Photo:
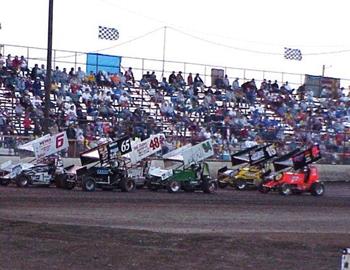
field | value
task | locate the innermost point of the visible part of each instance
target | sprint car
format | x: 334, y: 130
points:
x: 254, y: 165
x: 44, y: 169
x: 294, y: 174
x: 184, y: 169
x: 101, y: 167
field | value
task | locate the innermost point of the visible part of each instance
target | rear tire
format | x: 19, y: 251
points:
x: 241, y: 185
x: 285, y: 189
x: 127, y: 185
x: 174, y: 186
x: 317, y: 189
x: 88, y: 184
x: 22, y: 180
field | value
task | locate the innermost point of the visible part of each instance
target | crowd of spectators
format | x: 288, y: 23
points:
x: 95, y: 108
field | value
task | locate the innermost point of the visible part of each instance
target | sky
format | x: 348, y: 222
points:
x: 218, y: 33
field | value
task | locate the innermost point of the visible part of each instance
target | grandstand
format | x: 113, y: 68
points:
x: 94, y: 107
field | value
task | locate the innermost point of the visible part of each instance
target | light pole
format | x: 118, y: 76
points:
x: 48, y: 69
x: 164, y: 47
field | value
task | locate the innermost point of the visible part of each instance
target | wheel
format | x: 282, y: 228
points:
x: 222, y: 184
x: 4, y: 181
x: 285, y: 189
x: 241, y: 184
x: 22, y: 180
x: 174, y: 186
x: 317, y: 189
x: 88, y: 184
x: 209, y: 186
x: 263, y: 189
x: 127, y: 184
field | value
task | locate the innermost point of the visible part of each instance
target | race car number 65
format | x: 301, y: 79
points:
x: 59, y: 140
x: 125, y: 146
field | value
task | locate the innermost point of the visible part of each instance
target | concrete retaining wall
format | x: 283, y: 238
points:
x: 327, y: 172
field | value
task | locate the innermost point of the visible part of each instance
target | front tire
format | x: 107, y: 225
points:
x: 22, y: 180
x: 317, y: 189
x: 127, y: 185
x: 174, y: 186
x: 88, y: 184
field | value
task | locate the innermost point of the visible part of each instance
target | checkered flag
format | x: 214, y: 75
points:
x: 292, y: 54
x: 108, y: 33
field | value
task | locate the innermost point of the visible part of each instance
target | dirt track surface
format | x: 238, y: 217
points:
x: 50, y: 228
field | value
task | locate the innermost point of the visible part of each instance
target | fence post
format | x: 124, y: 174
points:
x: 75, y: 61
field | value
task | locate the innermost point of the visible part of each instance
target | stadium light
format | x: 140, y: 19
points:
x: 48, y: 68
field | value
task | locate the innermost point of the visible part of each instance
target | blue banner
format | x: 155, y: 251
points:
x: 96, y: 62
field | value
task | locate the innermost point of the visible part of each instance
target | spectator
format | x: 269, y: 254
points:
x: 189, y: 79
x: 180, y: 80
x: 129, y: 76
x: 24, y: 66
x: 9, y: 62
x: 235, y: 85
x: 2, y: 61
x: 16, y: 64
x: 172, y: 78
x: 226, y: 82
x: 198, y: 82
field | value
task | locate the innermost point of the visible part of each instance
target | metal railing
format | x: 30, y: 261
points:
x: 69, y: 59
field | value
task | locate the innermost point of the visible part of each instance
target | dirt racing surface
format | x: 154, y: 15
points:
x: 49, y: 228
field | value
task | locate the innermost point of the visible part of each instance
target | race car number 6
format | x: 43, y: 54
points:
x: 59, y: 140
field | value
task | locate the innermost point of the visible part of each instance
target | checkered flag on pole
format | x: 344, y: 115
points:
x: 108, y: 33
x: 292, y: 54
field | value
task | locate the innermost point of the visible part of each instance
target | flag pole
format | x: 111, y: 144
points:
x: 164, y: 46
